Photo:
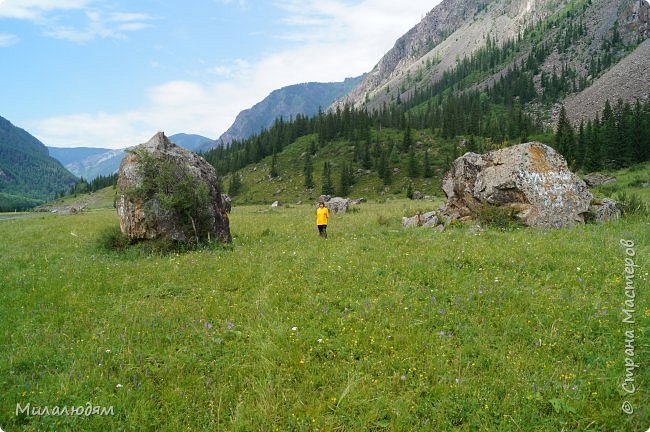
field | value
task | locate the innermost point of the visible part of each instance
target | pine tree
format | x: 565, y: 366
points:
x: 274, y: 165
x: 366, y: 161
x: 565, y: 138
x: 428, y: 172
x: 328, y: 186
x: 409, y: 190
x: 383, y: 169
x: 345, y: 180
x: 581, y: 147
x: 235, y: 185
x: 413, y: 169
x: 309, y: 172
x: 407, y: 140
x: 394, y: 155
x: 609, y: 137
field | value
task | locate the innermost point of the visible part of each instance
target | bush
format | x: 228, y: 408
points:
x: 497, y: 216
x: 383, y: 220
x: 631, y: 204
x: 112, y: 239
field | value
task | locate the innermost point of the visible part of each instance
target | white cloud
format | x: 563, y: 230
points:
x: 35, y: 9
x: 336, y: 40
x: 7, y: 39
x: 98, y: 24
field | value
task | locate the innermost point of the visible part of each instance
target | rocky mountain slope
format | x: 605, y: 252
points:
x: 585, y: 37
x: 305, y: 99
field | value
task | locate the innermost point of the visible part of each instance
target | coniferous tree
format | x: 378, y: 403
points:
x: 565, y: 138
x: 274, y: 166
x: 328, y: 185
x: 413, y: 169
x: 383, y: 169
x: 235, y: 185
x: 345, y: 180
x: 581, y: 146
x: 593, y: 155
x: 309, y: 172
x: 366, y: 162
x: 609, y: 137
x: 409, y: 189
x: 407, y: 140
x: 428, y: 172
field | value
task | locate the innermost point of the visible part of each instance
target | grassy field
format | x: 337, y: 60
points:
x: 375, y: 328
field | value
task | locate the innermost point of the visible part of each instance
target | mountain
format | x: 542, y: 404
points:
x: 27, y: 172
x: 581, y: 39
x: 74, y: 154
x: 195, y: 143
x: 305, y: 99
x: 90, y: 162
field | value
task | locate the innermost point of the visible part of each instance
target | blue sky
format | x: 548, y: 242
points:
x: 111, y: 73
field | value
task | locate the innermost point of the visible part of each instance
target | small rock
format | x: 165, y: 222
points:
x: 396, y: 170
x: 277, y: 204
x: 475, y: 229
x: 603, y: 210
x: 598, y: 179
x: 417, y: 195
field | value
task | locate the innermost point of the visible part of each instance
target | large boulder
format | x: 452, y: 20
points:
x: 190, y: 207
x: 338, y: 205
x: 532, y: 178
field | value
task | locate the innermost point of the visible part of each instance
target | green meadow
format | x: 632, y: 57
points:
x: 376, y: 328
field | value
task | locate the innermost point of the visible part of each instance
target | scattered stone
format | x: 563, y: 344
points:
x: 598, y: 179
x: 396, y: 170
x: 417, y: 195
x: 357, y: 201
x: 337, y: 204
x: 475, y: 229
x: 603, y: 210
x: 145, y: 217
x: 277, y: 204
x: 533, y: 178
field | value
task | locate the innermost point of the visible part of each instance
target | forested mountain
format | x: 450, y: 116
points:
x: 27, y: 172
x: 513, y: 64
x: 287, y: 102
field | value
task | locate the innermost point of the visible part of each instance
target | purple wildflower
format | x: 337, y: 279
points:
x: 230, y: 324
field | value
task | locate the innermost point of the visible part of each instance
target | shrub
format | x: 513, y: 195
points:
x: 112, y: 239
x: 631, y: 204
x: 497, y: 216
x: 383, y: 220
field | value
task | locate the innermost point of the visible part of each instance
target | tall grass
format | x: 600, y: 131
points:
x: 374, y: 328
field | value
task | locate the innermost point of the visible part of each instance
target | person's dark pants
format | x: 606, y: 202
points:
x: 322, y: 230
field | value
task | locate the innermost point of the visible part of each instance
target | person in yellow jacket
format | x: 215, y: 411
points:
x: 322, y: 217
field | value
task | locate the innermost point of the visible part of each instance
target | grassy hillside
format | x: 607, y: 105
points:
x: 289, y: 187
x: 376, y: 328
